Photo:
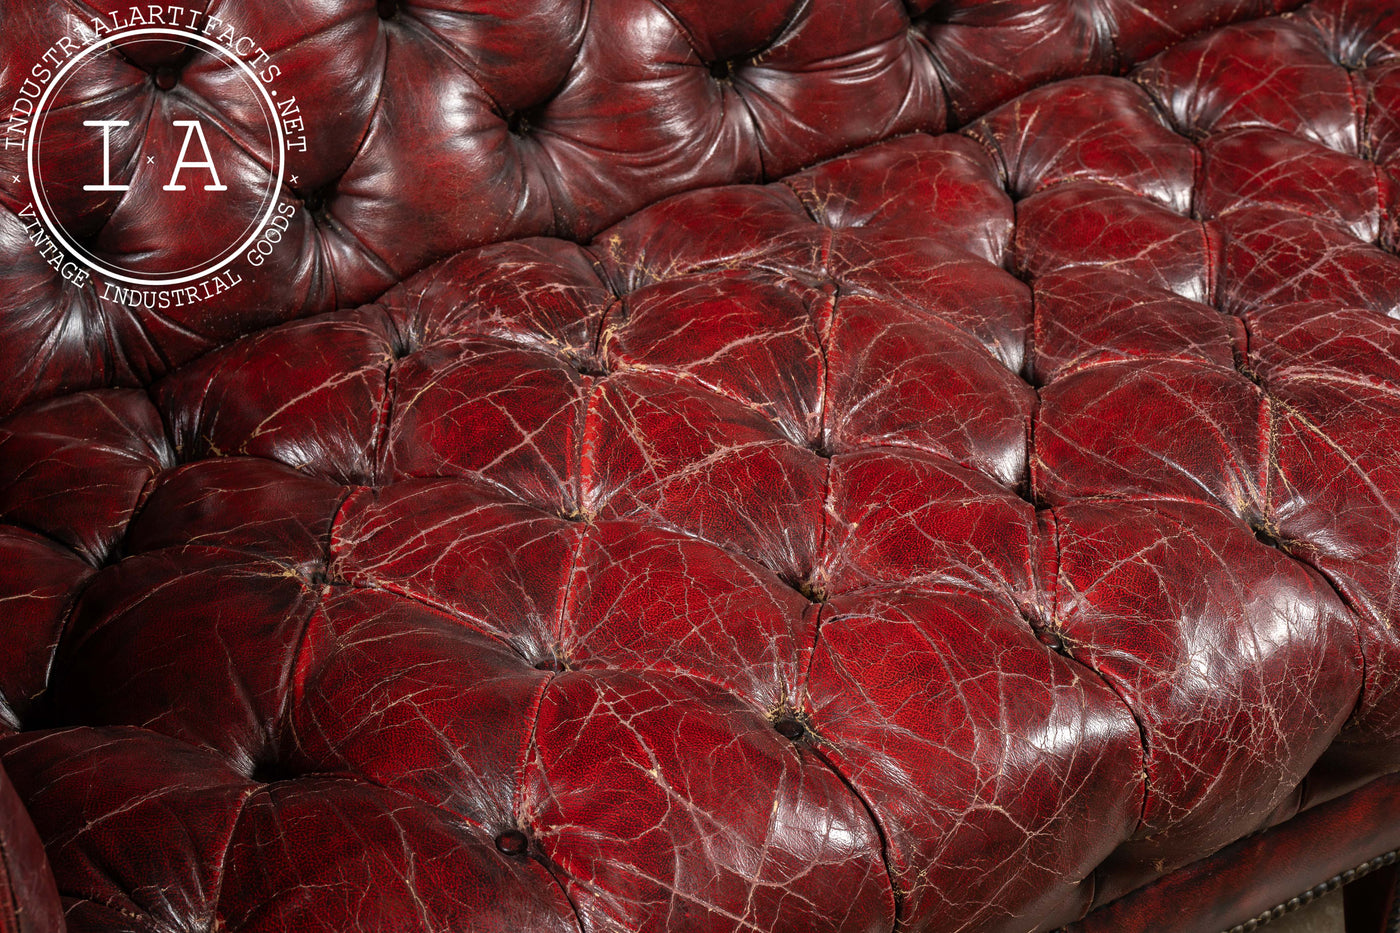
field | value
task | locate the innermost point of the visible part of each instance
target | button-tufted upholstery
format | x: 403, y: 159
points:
x: 828, y: 466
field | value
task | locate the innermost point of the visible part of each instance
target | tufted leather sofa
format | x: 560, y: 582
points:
x: 781, y: 465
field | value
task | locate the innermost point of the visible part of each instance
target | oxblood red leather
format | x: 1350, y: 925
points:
x: 28, y: 901
x: 1299, y: 860
x: 672, y: 530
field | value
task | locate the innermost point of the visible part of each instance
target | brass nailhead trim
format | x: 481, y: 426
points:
x: 1326, y: 887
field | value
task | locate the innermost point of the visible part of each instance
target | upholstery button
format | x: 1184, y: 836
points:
x: 1267, y: 536
x: 388, y: 8
x: 512, y: 842
x: 166, y: 78
x: 517, y: 123
x: 940, y: 13
x: 270, y: 772
x: 722, y: 70
x: 317, y: 204
x: 790, y: 727
x: 811, y: 589
x: 555, y: 663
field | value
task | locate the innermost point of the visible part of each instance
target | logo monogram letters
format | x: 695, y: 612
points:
x: 192, y: 129
x: 239, y: 230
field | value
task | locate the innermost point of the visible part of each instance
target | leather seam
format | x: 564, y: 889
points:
x: 380, y: 441
x: 217, y: 892
x: 287, y: 683
x: 459, y: 618
x: 1145, y: 747
x: 9, y: 895
x: 317, y: 607
x: 895, y: 893
x: 522, y: 764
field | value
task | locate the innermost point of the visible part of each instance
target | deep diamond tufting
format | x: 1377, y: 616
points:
x: 965, y: 532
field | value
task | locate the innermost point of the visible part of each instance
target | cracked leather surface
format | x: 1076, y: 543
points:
x: 955, y: 534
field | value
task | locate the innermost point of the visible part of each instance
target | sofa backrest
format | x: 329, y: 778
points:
x: 418, y: 129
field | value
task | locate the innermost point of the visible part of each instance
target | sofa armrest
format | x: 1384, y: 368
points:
x: 28, y: 898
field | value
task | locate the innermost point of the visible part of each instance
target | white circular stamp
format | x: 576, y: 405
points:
x: 232, y: 191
